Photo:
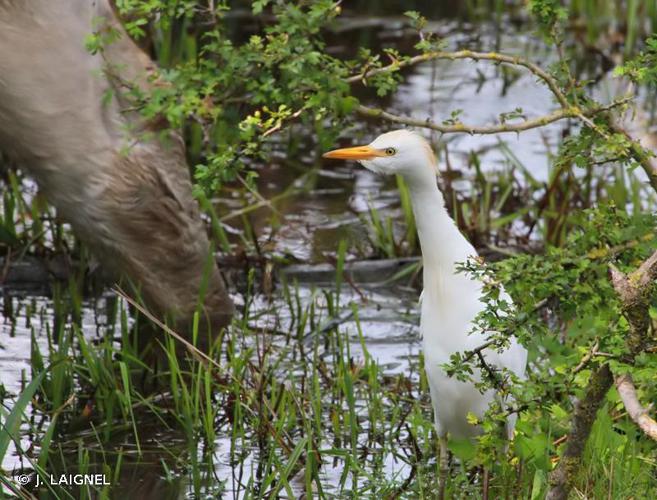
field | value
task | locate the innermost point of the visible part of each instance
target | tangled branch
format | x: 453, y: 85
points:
x: 565, y: 111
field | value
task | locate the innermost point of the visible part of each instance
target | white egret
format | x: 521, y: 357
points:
x: 451, y: 299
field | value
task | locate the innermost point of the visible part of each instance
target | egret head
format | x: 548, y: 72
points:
x: 397, y: 152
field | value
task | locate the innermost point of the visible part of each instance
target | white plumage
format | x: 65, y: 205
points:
x: 451, y: 300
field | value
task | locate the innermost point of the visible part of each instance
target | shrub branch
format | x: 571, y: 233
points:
x: 642, y: 157
x: 562, y: 478
x: 565, y: 111
x: 636, y: 411
x: 633, y: 291
x: 496, y: 128
x: 468, y: 54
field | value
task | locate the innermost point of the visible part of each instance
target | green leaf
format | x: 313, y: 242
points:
x: 463, y: 449
x: 11, y: 425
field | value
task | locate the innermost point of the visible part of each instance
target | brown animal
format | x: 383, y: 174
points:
x: 129, y: 198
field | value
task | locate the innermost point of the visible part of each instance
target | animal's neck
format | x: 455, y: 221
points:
x: 443, y: 245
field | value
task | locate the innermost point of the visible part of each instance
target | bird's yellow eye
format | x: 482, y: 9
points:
x: 390, y: 151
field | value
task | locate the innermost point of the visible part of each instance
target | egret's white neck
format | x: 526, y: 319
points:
x: 442, y: 244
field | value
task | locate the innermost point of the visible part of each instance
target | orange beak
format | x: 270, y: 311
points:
x: 357, y: 153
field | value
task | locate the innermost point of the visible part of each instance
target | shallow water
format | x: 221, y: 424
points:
x: 333, y: 200
x: 33, y: 315
x: 329, y: 206
x: 388, y: 320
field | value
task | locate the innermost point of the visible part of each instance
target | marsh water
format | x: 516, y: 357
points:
x: 326, y: 203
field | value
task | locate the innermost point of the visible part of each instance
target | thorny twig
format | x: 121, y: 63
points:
x: 497, y: 128
x: 468, y: 355
x: 587, y: 357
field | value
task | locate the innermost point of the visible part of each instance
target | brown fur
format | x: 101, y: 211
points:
x: 128, y: 197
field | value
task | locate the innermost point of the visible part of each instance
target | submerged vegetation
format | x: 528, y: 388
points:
x: 298, y: 397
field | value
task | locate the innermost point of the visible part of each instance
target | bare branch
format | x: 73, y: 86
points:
x: 648, y: 163
x: 636, y: 411
x: 468, y: 54
x: 198, y: 354
x: 498, y: 128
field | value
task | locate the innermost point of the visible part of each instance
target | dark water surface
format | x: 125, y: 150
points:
x: 329, y: 204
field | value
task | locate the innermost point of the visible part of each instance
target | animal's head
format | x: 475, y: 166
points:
x: 397, y: 152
